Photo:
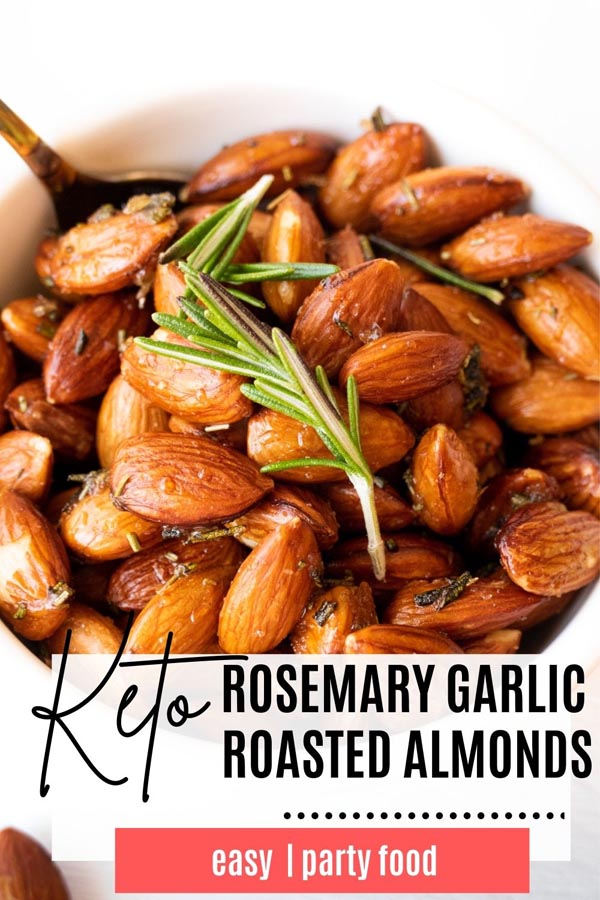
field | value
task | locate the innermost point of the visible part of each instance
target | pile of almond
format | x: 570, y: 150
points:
x: 480, y: 421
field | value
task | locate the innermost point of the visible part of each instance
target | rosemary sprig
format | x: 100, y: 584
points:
x: 443, y: 274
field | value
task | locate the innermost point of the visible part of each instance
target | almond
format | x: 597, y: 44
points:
x: 34, y: 570
x: 232, y: 435
x: 184, y: 479
x: 485, y: 604
x: 90, y: 581
x: 331, y: 617
x: 445, y: 404
x: 343, y: 249
x: 347, y: 310
x: 482, y: 437
x: 281, y: 505
x: 26, y: 870
x: 366, y: 165
x: 290, y: 156
x: 58, y: 502
x: 503, y: 640
x: 547, y: 549
x: 124, y: 413
x: 560, y: 312
x: 589, y: 435
x: 393, y: 512
x: 398, y: 639
x: 247, y: 252
x: 7, y: 377
x: 274, y: 437
x: 26, y: 461
x: 109, y: 252
x: 503, y: 349
x: 168, y: 286
x: 404, y: 365
x: 270, y: 590
x: 417, y: 313
x: 550, y: 400
x: 31, y: 324
x: 512, y: 246
x: 407, y: 556
x: 70, y: 428
x: 93, y: 528
x: 188, y: 605
x: 198, y: 393
x: 83, y: 356
x: 91, y: 632
x: 575, y: 467
x: 431, y: 204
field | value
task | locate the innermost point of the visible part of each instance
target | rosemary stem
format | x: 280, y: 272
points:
x: 365, y: 488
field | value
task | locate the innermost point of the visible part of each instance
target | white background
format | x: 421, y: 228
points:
x: 63, y: 63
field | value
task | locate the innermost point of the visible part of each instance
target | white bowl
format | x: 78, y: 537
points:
x: 189, y: 129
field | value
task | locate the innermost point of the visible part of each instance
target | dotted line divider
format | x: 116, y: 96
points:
x: 424, y: 815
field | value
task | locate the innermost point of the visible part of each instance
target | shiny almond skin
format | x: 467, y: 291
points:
x: 168, y: 286
x: 188, y: 606
x: 346, y: 310
x: 107, y: 254
x: 234, y: 435
x: 34, y: 570
x: 83, y: 356
x: 485, y: 605
x: 418, y: 313
x: 198, y: 393
x: 93, y: 528
x: 27, y: 871
x: 365, y: 166
x: 445, y: 404
x: 295, y: 235
x: 91, y: 632
x: 331, y: 617
x: 282, y: 504
x: 393, y: 512
x: 512, y: 246
x: 575, y: 467
x: 124, y: 412
x: 270, y: 590
x: 550, y: 400
x: 7, y: 377
x: 506, y: 492
x: 288, y: 155
x: 434, y: 203
x: 503, y: 640
x: 404, y: 365
x: 398, y: 639
x: 407, y: 556
x: 70, y: 428
x: 274, y: 437
x: 31, y: 323
x: 184, y: 479
x: 503, y: 349
x: 482, y: 437
x: 343, y: 249
x: 444, y: 481
x: 26, y: 462
x: 547, y: 549
x: 560, y: 313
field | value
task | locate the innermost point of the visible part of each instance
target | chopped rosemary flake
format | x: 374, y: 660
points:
x: 391, y: 545
x: 287, y: 173
x: 81, y: 342
x: 440, y: 597
x: 341, y: 324
x: 197, y: 535
x: 21, y: 611
x: 223, y: 427
x: 121, y: 486
x: 171, y: 557
x: 22, y: 403
x: 46, y: 330
x: 60, y: 592
x: 365, y: 246
x: 121, y: 339
x: 180, y: 571
x: 134, y: 541
x: 377, y: 120
x: 325, y: 610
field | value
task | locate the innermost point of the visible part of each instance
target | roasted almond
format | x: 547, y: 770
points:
x: 331, y: 617
x: 550, y: 400
x: 27, y: 871
x: 393, y: 512
x: 7, y: 377
x: 26, y: 461
x: 188, y: 605
x: 234, y: 435
x: 34, y: 570
x: 404, y: 365
x: 512, y: 246
x: 90, y: 581
x: 575, y: 467
x: 347, y: 310
x: 183, y: 479
x: 168, y: 286
x: 198, y: 393
x: 503, y: 349
x: 589, y: 435
x: 559, y: 311
x: 482, y: 437
x: 108, y: 252
x: 83, y: 356
x: 503, y: 640
x: 407, y: 556
x: 282, y: 504
x: 91, y: 632
x: 445, y: 404
x: 428, y: 205
x: 484, y: 605
x: 366, y: 165
x: 343, y: 249
x: 93, y: 528
x: 290, y: 156
x: 70, y: 428
x: 270, y: 590
x: 398, y: 639
x: 124, y: 412
x: 417, y: 313
x: 274, y: 437
x: 31, y: 324
x: 247, y: 252
x: 547, y: 549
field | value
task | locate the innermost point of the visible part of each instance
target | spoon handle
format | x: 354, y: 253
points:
x: 45, y: 163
